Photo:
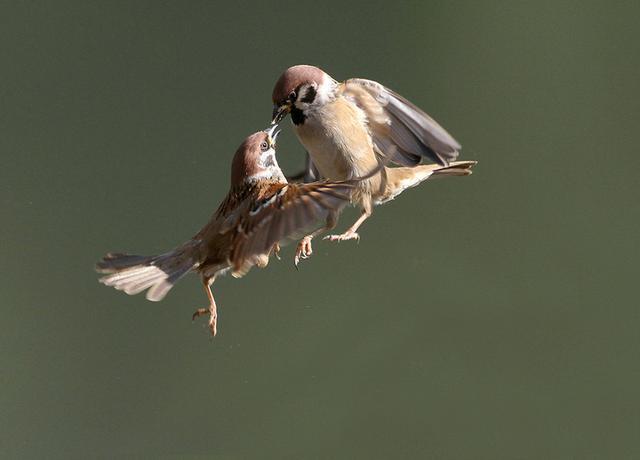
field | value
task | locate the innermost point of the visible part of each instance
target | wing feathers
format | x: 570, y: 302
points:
x: 284, y: 215
x: 408, y: 128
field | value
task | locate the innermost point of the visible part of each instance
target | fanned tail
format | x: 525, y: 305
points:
x: 134, y: 274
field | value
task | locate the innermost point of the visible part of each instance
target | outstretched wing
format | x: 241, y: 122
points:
x: 401, y: 131
x: 287, y: 211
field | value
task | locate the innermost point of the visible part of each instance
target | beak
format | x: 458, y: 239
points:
x: 279, y: 112
x: 272, y: 131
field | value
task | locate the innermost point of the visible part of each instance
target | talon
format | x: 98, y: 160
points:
x: 199, y: 312
x: 213, y: 318
x: 303, y: 250
x: 343, y: 237
x: 212, y: 310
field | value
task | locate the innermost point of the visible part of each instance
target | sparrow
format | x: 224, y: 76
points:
x: 260, y: 211
x: 349, y: 127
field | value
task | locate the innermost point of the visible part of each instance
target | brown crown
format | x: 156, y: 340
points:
x: 292, y: 78
x: 245, y: 160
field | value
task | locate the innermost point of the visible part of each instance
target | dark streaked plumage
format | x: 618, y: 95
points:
x: 259, y: 212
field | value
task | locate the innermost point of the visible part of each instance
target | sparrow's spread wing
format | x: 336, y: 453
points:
x: 287, y: 211
x: 400, y: 130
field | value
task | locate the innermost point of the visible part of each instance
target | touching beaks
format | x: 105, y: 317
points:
x: 279, y: 112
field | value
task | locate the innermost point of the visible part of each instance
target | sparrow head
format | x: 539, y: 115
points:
x: 299, y: 89
x: 255, y: 159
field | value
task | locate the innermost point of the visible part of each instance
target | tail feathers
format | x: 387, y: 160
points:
x: 457, y: 168
x: 134, y: 274
x: 401, y: 178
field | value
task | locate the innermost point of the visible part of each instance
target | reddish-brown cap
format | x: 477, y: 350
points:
x: 292, y: 78
x: 245, y: 161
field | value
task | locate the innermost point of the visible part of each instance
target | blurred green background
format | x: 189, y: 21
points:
x: 494, y: 316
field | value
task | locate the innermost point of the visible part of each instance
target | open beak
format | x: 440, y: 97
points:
x: 275, y: 136
x: 272, y: 131
x: 279, y: 112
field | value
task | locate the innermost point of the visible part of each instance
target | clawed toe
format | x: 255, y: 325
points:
x: 343, y: 237
x: 303, y: 251
x: 213, y: 318
x: 199, y: 312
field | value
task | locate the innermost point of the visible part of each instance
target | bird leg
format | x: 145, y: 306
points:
x: 351, y: 233
x: 212, y: 310
x: 304, y: 250
x: 276, y: 250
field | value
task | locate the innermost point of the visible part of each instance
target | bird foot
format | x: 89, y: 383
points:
x: 213, y: 318
x: 348, y: 235
x: 303, y: 251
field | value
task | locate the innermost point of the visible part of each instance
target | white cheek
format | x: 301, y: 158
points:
x: 326, y: 90
x: 268, y: 159
x: 270, y: 170
x: 301, y: 105
x: 325, y: 93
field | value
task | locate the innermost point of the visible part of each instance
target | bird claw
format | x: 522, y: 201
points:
x: 343, y: 237
x: 213, y: 318
x: 199, y: 312
x: 303, y: 251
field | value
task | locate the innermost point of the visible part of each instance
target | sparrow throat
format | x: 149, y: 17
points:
x: 297, y: 116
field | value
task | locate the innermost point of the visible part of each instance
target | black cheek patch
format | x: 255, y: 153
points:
x: 268, y: 162
x: 310, y: 96
x: 297, y: 117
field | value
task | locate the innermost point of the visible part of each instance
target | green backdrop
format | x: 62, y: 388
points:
x: 494, y: 316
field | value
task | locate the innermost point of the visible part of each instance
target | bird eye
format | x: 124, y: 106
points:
x: 292, y: 96
x: 264, y: 146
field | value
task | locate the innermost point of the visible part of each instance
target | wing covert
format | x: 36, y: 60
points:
x: 401, y: 130
x: 289, y: 211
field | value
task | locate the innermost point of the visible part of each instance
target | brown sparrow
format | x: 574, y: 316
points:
x: 260, y: 211
x: 348, y: 127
